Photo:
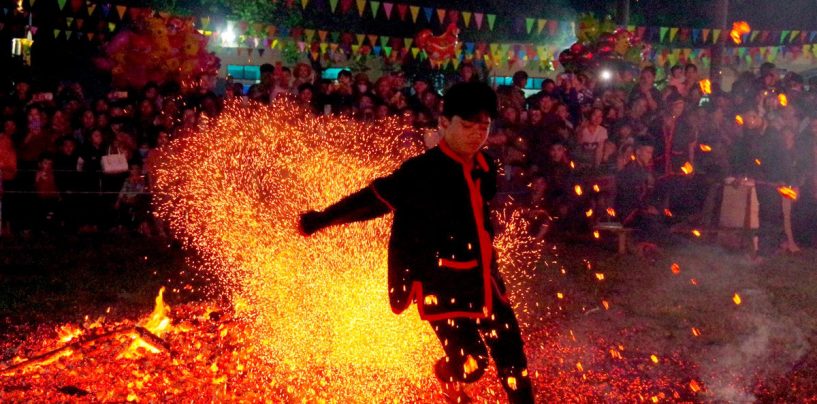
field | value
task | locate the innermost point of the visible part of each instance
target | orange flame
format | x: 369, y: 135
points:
x: 705, y: 148
x: 687, y: 168
x: 783, y: 100
x: 68, y: 332
x: 696, y: 233
x: 611, y: 212
x: 696, y: 332
x: 736, y: 299
x: 693, y: 385
x: 654, y: 358
x: 787, y: 192
x: 706, y: 86
x: 158, y: 323
x: 578, y: 190
x: 739, y: 120
x: 596, y: 234
x: 589, y: 213
x: 739, y: 29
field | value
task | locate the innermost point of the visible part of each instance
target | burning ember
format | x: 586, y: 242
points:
x: 736, y: 299
x: 782, y: 100
x: 739, y: 29
x: 787, y: 192
x: 705, y: 148
x: 706, y: 86
x: 739, y: 120
x: 687, y: 168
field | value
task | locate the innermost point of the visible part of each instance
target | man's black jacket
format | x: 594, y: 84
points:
x: 440, y: 252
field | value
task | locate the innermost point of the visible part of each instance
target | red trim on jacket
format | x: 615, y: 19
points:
x: 381, y: 198
x: 459, y: 265
x: 485, y: 244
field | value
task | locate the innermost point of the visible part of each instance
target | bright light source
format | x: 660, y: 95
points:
x: 606, y: 75
x: 228, y: 37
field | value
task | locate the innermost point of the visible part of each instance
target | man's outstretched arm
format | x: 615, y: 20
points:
x: 359, y: 206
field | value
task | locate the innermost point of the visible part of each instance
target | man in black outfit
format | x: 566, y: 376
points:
x: 441, y: 253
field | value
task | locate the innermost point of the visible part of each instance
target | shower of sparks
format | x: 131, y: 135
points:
x: 233, y: 192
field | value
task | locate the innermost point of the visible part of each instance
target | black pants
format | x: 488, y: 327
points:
x: 464, y: 342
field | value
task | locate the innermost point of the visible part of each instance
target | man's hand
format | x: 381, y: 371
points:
x: 309, y: 223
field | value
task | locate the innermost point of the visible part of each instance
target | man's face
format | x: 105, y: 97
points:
x: 557, y: 153
x: 644, y: 155
x: 647, y: 78
x: 465, y: 137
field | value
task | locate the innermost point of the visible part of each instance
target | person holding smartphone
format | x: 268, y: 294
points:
x: 441, y: 253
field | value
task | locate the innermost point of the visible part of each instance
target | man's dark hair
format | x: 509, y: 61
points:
x: 345, y: 73
x: 468, y: 100
x: 649, y: 68
x: 267, y: 68
x: 675, y: 68
x: 547, y: 81
x: 644, y: 141
x: 690, y: 66
x: 306, y: 86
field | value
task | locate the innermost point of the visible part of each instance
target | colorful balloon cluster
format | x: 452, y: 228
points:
x: 438, y: 48
x: 600, y: 42
x: 158, y: 49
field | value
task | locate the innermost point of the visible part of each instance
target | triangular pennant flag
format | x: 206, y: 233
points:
x: 672, y: 33
x: 345, y: 6
x: 372, y: 40
x: 376, y: 50
x: 323, y: 46
x: 414, y: 52
x: 111, y: 26
x: 384, y: 40
x: 61, y: 3
x: 753, y: 35
x: 360, y: 38
x: 333, y: 4
x: 453, y: 16
x: 261, y: 52
x: 716, y: 34
x: 310, y: 33
x: 540, y: 25
x: 322, y: 35
x: 811, y: 36
x: 334, y: 36
x: 205, y: 22
x: 478, y: 20
x: 375, y: 6
x: 491, y: 19
x: 784, y: 35
x: 663, y: 34
x: 69, y: 21
x: 429, y: 12
x: 91, y: 8
x: 794, y: 35
x: 80, y: 22
x: 415, y: 11
x: 803, y: 35
x: 441, y: 15
x: 56, y: 33
x: 355, y: 49
x: 387, y: 7
x: 764, y: 36
x: 401, y: 11
x: 696, y: 35
x: 466, y: 18
x: 121, y: 11
x: 529, y: 24
x: 31, y: 3
x: 90, y: 36
x: 304, y: 3
x: 361, y: 6
x: 33, y: 30
x: 387, y: 51
x: 106, y: 9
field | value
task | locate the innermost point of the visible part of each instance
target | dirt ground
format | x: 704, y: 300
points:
x: 599, y: 327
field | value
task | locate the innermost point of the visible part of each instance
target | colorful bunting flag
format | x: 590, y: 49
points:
x: 466, y: 18
x: 121, y: 11
x: 441, y: 15
x: 415, y: 11
x: 375, y: 6
x: 491, y: 20
x: 333, y: 4
x: 478, y: 20
x: 387, y: 7
x: 361, y: 7
x: 540, y: 25
x: 529, y: 25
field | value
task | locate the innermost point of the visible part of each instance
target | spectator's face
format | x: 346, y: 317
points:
x: 420, y: 86
x: 465, y: 137
x: 557, y: 153
x: 101, y: 106
x: 162, y: 139
x: 677, y: 108
x: 135, y: 171
x: 145, y: 108
x: 647, y: 78
x: 96, y: 138
x: 102, y: 121
x: 22, y: 88
x: 466, y: 73
x: 509, y: 114
x: 562, y: 112
x: 381, y: 111
x: 535, y: 116
x: 305, y: 96
x: 546, y: 104
x: 398, y: 81
x: 45, y: 164
x: 643, y: 155
x: 769, y: 79
x: 677, y: 73
x: 35, y: 120
x: 597, y: 117
x: 345, y: 80
x: 691, y: 75
x: 88, y: 120
x: 68, y: 148
x: 9, y: 127
x: 151, y: 93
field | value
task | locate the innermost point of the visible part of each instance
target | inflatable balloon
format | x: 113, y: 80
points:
x: 438, y: 48
x: 159, y: 49
x: 587, y: 29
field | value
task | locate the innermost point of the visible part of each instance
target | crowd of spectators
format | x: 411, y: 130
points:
x: 585, y: 149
